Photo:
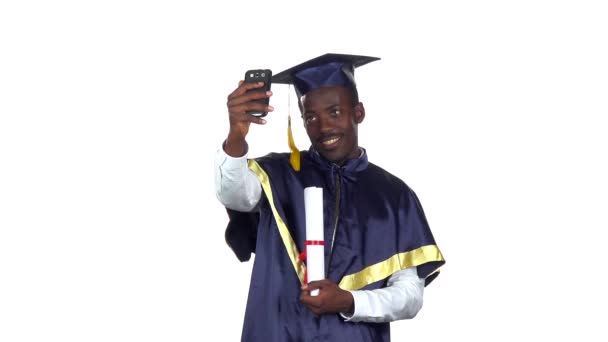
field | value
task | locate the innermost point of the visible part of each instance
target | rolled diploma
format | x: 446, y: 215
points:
x: 315, y: 253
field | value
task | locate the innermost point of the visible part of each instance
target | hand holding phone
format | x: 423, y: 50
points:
x: 259, y: 75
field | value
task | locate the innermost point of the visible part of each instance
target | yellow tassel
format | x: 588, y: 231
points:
x: 294, y: 158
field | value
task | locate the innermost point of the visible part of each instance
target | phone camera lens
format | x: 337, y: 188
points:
x: 263, y: 74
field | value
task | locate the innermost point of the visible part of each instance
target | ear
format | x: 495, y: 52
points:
x: 359, y: 113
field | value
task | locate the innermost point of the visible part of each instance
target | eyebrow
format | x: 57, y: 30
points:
x: 330, y: 107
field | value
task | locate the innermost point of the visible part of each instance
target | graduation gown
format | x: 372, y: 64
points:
x: 373, y: 220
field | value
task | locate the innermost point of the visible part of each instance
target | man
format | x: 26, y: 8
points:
x: 379, y: 250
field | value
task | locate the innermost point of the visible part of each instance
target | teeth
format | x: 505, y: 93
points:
x: 330, y: 141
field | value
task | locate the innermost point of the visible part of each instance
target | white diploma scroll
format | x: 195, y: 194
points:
x: 315, y: 250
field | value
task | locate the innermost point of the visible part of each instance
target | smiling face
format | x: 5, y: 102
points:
x: 331, y: 118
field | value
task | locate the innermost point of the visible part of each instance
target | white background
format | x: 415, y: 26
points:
x: 111, y: 112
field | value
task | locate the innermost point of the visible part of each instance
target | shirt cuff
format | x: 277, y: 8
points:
x: 360, y: 306
x: 227, y: 163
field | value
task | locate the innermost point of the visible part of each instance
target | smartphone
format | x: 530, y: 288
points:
x: 259, y: 75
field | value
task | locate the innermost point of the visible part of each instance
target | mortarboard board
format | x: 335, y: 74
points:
x: 328, y: 70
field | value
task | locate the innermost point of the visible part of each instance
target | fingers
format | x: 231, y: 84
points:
x: 308, y: 300
x: 239, y: 113
x: 327, y: 301
x: 248, y: 97
x: 244, y: 118
x: 255, y: 119
x: 315, y: 301
x: 314, y: 304
x: 240, y: 105
x: 243, y: 88
x: 245, y: 99
x: 317, y: 284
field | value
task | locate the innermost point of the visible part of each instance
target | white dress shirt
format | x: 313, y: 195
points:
x: 238, y: 188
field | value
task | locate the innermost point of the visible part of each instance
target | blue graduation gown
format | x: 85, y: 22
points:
x: 379, y: 228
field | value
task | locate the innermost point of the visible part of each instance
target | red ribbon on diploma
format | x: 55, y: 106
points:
x: 303, y: 254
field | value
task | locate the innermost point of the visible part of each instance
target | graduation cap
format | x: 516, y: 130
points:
x: 328, y: 70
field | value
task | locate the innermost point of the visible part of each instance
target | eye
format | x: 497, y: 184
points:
x: 335, y: 112
x: 308, y: 119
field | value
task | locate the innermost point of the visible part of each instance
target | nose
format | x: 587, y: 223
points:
x: 325, y: 124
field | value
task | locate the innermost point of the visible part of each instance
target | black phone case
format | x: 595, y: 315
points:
x: 259, y: 75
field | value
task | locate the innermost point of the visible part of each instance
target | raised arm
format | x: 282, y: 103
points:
x: 236, y: 186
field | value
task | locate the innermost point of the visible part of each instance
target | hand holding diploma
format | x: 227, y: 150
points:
x: 320, y: 295
x: 331, y: 298
x: 315, y: 248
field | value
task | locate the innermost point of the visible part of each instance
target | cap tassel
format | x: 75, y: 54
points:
x: 294, y: 158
